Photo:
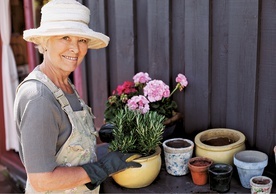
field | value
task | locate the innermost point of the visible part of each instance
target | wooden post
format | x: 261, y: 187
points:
x: 29, y: 23
x: 2, y: 124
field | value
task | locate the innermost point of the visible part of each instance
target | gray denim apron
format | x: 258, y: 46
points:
x: 80, y: 147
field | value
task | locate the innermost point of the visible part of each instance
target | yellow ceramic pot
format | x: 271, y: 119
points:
x: 143, y: 176
x: 219, y: 144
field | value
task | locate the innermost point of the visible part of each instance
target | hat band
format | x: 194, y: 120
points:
x: 52, y: 26
x: 63, y: 21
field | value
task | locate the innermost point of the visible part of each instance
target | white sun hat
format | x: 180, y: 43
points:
x: 66, y: 17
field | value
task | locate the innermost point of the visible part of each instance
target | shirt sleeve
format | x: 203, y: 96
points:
x: 43, y: 127
x: 39, y: 132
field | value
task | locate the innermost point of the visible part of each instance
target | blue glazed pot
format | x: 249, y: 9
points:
x: 177, y: 152
x: 250, y: 163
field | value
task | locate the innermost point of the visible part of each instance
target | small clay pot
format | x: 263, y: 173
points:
x: 250, y: 163
x: 177, y: 152
x: 220, y: 177
x: 198, y: 167
x: 260, y: 184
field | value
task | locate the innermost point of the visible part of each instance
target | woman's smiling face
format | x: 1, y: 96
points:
x: 65, y: 52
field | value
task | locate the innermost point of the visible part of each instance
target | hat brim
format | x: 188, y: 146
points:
x: 97, y: 40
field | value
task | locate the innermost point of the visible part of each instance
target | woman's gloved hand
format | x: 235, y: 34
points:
x: 106, y: 132
x: 109, y: 164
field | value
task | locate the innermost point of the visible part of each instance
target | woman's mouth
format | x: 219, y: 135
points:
x: 71, y: 58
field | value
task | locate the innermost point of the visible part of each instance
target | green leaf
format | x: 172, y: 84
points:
x: 135, y: 132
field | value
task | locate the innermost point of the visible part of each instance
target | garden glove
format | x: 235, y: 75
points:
x: 111, y: 163
x: 106, y: 132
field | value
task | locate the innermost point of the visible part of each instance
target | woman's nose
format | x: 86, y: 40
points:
x: 74, y: 47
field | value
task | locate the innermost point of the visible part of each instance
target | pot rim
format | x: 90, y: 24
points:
x: 227, y: 167
x: 263, y: 178
x: 243, y: 162
x: 200, y: 158
x: 150, y: 157
x: 179, y: 149
x: 236, y: 144
x: 205, y: 167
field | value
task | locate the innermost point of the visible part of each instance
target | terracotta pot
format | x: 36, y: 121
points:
x: 143, y: 176
x: 176, y: 116
x: 198, y: 167
x: 219, y: 144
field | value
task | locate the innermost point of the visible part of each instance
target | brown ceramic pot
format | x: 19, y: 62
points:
x: 198, y: 167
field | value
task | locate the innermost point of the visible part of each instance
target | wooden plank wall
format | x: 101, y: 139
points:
x: 226, y: 48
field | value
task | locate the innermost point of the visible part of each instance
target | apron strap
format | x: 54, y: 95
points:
x: 83, y: 104
x: 58, y: 93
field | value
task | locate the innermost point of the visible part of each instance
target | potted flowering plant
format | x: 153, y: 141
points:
x: 138, y: 111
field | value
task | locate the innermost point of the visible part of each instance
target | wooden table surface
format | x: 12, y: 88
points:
x: 166, y: 183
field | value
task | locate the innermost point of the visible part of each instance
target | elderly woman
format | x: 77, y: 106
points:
x: 54, y: 124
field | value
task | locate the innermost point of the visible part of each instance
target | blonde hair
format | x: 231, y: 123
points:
x: 41, y: 45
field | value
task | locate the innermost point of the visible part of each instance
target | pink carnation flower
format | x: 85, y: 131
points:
x: 155, y: 90
x: 141, y: 78
x: 139, y: 103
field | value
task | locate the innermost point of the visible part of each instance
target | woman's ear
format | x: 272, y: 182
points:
x: 42, y: 47
x: 44, y: 41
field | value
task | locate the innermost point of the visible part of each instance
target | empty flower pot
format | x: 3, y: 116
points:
x: 177, y: 152
x: 220, y: 177
x: 198, y: 167
x: 250, y: 163
x: 219, y: 144
x: 260, y: 185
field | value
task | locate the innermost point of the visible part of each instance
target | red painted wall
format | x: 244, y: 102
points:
x: 29, y: 23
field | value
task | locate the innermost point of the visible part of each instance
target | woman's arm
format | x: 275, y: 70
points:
x: 61, y: 178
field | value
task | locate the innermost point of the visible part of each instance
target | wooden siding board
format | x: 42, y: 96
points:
x: 158, y: 39
x: 178, y: 49
x: 142, y: 54
x: 266, y: 115
x: 242, y: 66
x: 121, y: 31
x: 197, y: 65
x: 112, y: 56
x: 219, y: 62
x: 96, y: 65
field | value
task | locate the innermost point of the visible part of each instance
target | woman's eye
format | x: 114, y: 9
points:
x: 65, y: 37
x: 83, y: 40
